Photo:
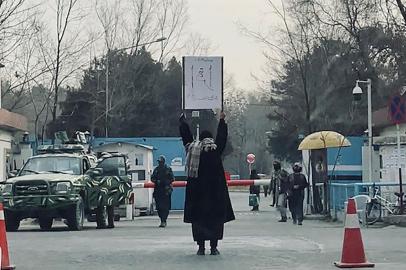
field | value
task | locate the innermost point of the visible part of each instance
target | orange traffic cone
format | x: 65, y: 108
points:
x: 4, y: 258
x: 353, y: 255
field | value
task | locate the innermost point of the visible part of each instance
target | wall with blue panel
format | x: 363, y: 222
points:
x: 170, y: 147
x: 346, y: 163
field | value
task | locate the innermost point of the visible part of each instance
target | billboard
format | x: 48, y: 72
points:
x: 202, y: 83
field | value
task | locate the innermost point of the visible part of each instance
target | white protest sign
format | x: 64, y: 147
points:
x: 202, y: 83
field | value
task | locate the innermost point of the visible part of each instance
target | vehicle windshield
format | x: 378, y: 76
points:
x: 52, y: 164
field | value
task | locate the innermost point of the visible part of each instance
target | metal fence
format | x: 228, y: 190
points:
x: 340, y: 192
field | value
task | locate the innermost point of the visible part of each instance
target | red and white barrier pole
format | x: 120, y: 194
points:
x: 231, y: 183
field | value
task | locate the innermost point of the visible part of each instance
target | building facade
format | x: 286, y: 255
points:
x: 10, y: 125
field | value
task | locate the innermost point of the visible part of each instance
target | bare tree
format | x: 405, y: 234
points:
x: 141, y: 26
x: 296, y: 44
x: 27, y: 68
x: 235, y: 105
x: 108, y: 15
x: 197, y: 45
x: 63, y: 53
x: 172, y: 17
x: 15, y: 22
x: 402, y: 9
x: 109, y: 18
x: 17, y: 27
x: 63, y: 17
x: 153, y: 19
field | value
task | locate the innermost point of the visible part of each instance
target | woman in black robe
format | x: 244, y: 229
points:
x: 207, y: 202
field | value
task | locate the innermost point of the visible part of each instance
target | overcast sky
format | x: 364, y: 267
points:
x: 217, y: 20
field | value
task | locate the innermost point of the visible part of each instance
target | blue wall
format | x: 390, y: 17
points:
x: 349, y: 162
x: 170, y: 147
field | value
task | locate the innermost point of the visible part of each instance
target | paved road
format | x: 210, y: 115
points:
x: 253, y: 241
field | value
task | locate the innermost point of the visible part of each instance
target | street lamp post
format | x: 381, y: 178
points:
x: 107, y: 75
x: 357, y: 91
x: 107, y: 94
x: 1, y: 84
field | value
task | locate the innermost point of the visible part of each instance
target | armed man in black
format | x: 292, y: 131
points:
x: 298, y: 184
x: 163, y: 178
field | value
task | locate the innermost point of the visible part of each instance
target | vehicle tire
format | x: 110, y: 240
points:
x: 373, y: 213
x: 76, y: 216
x: 45, y: 223
x: 12, y: 221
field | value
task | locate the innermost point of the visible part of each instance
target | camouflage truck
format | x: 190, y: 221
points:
x: 62, y: 184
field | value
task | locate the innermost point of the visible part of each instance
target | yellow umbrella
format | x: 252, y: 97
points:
x: 323, y: 139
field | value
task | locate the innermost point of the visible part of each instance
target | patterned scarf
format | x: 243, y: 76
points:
x: 193, y: 155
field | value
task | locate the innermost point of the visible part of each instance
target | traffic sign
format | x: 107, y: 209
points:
x: 397, y: 109
x: 250, y: 158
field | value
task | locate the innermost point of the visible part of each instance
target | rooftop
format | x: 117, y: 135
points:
x: 12, y: 121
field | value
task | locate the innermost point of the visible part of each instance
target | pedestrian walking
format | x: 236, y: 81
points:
x: 274, y: 187
x: 266, y: 189
x: 163, y: 178
x: 277, y: 174
x: 272, y: 190
x: 298, y: 183
x: 280, y: 178
x: 207, y: 202
x: 254, y: 190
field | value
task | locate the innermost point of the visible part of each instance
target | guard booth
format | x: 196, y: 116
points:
x: 171, y: 147
x: 314, y: 150
x: 140, y: 159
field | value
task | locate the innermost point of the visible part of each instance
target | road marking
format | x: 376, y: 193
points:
x: 318, y: 245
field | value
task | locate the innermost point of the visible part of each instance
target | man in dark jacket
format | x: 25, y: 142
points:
x: 255, y: 190
x: 298, y: 183
x: 163, y: 178
x: 278, y: 172
x: 207, y: 202
x: 283, y: 190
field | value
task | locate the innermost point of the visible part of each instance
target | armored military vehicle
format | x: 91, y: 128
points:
x: 61, y: 183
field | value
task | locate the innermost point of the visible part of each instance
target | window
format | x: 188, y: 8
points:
x: 53, y: 164
x: 139, y: 159
x: 141, y: 175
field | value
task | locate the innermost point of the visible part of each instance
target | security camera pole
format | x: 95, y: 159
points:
x: 357, y: 91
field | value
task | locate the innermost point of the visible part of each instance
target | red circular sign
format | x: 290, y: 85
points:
x: 250, y: 158
x: 397, y: 109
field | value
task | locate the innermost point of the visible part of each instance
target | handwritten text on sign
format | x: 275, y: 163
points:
x: 202, y: 82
